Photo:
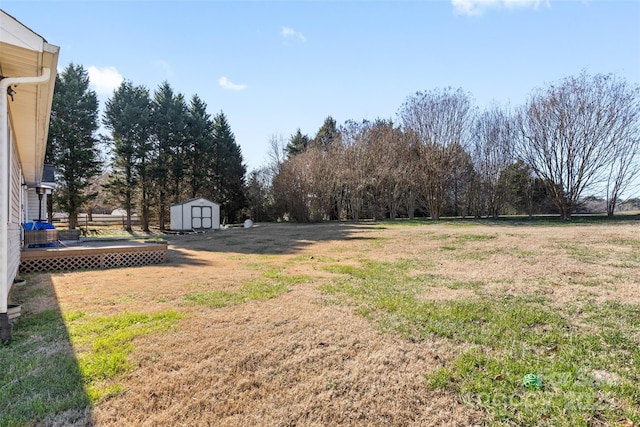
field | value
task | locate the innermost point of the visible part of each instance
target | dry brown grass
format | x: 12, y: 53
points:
x: 300, y: 360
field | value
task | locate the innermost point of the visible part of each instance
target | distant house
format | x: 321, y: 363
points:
x: 27, y: 79
x: 195, y: 214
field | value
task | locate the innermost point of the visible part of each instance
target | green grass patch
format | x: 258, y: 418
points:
x: 449, y: 248
x: 340, y: 268
x: 310, y: 258
x: 463, y: 238
x: 460, y: 239
x: 105, y: 342
x: 626, y: 255
x: 585, y: 254
x: 440, y: 280
x: 39, y: 374
x: 631, y: 243
x: 276, y: 283
x: 439, y: 236
x: 530, y: 257
x: 214, y: 299
x: 477, y: 255
x: 589, y: 374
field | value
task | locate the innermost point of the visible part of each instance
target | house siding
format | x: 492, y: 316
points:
x: 15, y: 203
x: 14, y: 228
x: 32, y: 206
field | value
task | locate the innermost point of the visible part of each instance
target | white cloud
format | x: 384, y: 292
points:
x: 226, y: 84
x: 477, y: 7
x: 104, y: 80
x: 290, y: 32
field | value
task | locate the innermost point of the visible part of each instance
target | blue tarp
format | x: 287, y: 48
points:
x: 39, y: 225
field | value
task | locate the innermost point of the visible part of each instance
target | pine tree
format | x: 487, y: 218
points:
x: 228, y: 171
x: 201, y: 149
x: 128, y: 116
x: 169, y: 121
x: 327, y: 134
x: 298, y: 143
x: 73, y: 144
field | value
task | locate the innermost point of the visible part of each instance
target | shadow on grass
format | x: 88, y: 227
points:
x: 40, y: 378
x: 291, y: 238
x: 267, y: 239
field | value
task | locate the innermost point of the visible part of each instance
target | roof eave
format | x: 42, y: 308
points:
x: 26, y: 54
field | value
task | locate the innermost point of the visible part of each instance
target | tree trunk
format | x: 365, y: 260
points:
x: 162, y: 210
x: 565, y: 212
x: 611, y: 206
x: 73, y: 220
x: 127, y: 225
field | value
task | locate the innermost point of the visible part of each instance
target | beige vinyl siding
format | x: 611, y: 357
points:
x: 15, y: 217
x: 15, y: 204
x: 32, y: 206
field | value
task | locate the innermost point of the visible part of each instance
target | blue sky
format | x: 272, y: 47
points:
x: 273, y: 67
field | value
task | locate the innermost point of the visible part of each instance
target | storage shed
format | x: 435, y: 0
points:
x: 195, y: 214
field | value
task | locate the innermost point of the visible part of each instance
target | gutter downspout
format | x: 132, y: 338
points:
x: 5, y: 162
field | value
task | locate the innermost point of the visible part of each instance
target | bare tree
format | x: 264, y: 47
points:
x: 276, y: 154
x: 398, y: 169
x: 354, y: 174
x: 568, y: 134
x: 372, y: 161
x: 328, y: 164
x: 462, y: 178
x: 292, y: 188
x: 623, y: 169
x: 103, y: 201
x: 438, y: 122
x: 492, y: 135
x: 625, y: 165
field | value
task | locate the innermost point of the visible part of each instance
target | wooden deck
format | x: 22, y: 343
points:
x: 92, y: 255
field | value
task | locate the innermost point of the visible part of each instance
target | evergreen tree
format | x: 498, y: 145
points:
x: 298, y: 143
x: 73, y: 144
x: 327, y: 134
x: 228, y: 171
x: 128, y: 116
x: 201, y: 150
x: 169, y: 121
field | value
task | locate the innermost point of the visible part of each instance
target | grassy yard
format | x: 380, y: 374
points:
x: 392, y: 323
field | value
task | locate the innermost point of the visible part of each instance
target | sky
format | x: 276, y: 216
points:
x: 273, y: 67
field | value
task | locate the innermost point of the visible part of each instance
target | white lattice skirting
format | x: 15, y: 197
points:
x: 96, y: 258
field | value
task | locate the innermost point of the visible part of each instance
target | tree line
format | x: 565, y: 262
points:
x: 442, y: 156
x: 161, y: 150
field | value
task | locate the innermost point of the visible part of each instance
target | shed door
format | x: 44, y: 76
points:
x: 201, y: 217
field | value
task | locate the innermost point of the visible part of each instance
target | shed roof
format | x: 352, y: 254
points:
x: 194, y: 199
